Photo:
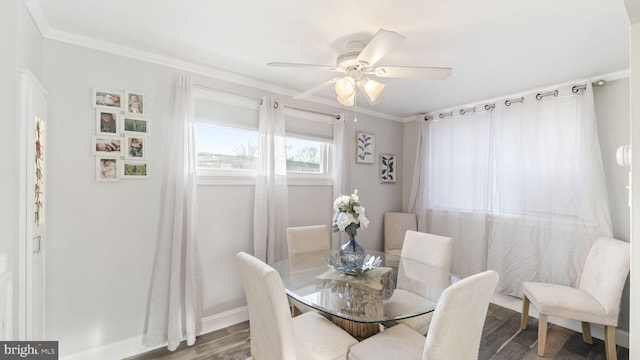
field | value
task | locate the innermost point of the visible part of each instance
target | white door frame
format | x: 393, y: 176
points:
x: 33, y: 102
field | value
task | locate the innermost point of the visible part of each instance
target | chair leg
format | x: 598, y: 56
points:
x: 610, y: 342
x: 525, y: 313
x: 542, y: 334
x: 586, y: 333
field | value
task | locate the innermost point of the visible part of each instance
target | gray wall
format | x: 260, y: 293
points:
x: 612, y: 115
x: 102, y: 235
x: 8, y: 135
x: 20, y: 44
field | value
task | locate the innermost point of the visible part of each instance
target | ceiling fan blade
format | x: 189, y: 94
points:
x: 382, y: 42
x: 435, y: 73
x: 315, y: 88
x: 296, y: 65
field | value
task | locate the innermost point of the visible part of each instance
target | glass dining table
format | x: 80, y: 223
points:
x: 399, y: 288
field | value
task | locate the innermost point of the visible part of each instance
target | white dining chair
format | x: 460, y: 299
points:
x: 396, y: 225
x: 455, y: 330
x: 304, y: 239
x: 595, y: 300
x: 274, y: 334
x: 415, y: 286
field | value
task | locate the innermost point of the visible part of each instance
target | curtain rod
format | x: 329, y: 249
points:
x: 337, y: 116
x: 508, y: 102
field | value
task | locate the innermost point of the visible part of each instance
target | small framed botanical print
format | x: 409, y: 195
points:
x: 134, y: 103
x: 135, y: 169
x: 107, y: 99
x: 388, y: 167
x: 107, y: 121
x: 365, y: 147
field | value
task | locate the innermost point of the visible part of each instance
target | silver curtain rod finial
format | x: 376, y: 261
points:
x: 601, y: 82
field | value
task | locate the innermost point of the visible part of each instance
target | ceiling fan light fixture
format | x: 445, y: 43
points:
x: 372, y: 88
x: 347, y: 101
x: 345, y: 87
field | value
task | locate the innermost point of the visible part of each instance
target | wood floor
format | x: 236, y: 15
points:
x: 498, y: 342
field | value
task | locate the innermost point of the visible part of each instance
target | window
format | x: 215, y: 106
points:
x: 221, y: 147
x: 306, y: 156
x: 227, y: 138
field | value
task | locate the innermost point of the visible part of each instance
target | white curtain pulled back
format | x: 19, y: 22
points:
x: 174, y: 311
x: 519, y: 188
x: 271, y: 217
x: 339, y: 169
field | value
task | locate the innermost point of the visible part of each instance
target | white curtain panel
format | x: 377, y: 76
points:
x: 174, y: 310
x: 455, y: 166
x: 520, y: 189
x: 271, y: 217
x: 418, y: 166
x: 339, y: 169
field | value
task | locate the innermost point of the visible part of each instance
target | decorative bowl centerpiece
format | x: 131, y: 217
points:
x: 370, y: 262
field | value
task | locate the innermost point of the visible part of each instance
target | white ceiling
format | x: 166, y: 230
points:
x: 495, y: 47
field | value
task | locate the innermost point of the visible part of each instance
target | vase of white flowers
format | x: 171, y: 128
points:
x: 350, y: 216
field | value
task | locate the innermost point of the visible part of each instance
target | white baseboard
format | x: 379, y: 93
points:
x: 133, y: 346
x: 597, y: 331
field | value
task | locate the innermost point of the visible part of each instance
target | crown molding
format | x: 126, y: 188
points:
x: 84, y: 41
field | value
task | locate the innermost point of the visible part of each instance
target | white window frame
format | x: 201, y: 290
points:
x: 248, y: 177
x: 325, y: 178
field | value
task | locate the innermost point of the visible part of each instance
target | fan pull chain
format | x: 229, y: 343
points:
x: 355, y: 104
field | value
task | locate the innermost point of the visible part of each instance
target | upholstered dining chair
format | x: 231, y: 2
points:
x: 428, y: 249
x: 595, y: 300
x: 306, y: 239
x: 274, y: 334
x: 396, y: 225
x: 455, y: 330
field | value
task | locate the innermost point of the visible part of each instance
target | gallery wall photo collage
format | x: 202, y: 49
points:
x: 120, y: 144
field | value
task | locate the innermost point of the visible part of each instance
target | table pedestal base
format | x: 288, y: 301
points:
x: 360, y: 331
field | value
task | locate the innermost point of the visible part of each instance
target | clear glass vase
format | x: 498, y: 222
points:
x: 351, y: 254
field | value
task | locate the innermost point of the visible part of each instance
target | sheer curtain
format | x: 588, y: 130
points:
x: 339, y: 168
x: 271, y: 216
x: 519, y: 188
x: 174, y: 309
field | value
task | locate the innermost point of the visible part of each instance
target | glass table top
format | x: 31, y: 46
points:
x: 399, y: 288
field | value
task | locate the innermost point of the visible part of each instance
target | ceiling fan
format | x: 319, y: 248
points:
x: 357, y: 64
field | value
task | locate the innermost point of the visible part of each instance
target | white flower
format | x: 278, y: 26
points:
x: 344, y: 220
x: 341, y: 201
x: 363, y: 220
x: 349, y: 214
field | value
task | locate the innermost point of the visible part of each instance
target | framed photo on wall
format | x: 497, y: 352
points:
x: 107, y: 168
x: 107, y: 121
x: 134, y: 103
x: 135, y: 147
x: 388, y: 167
x: 106, y: 145
x: 107, y: 99
x: 133, y: 125
x: 365, y: 147
x: 135, y: 169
